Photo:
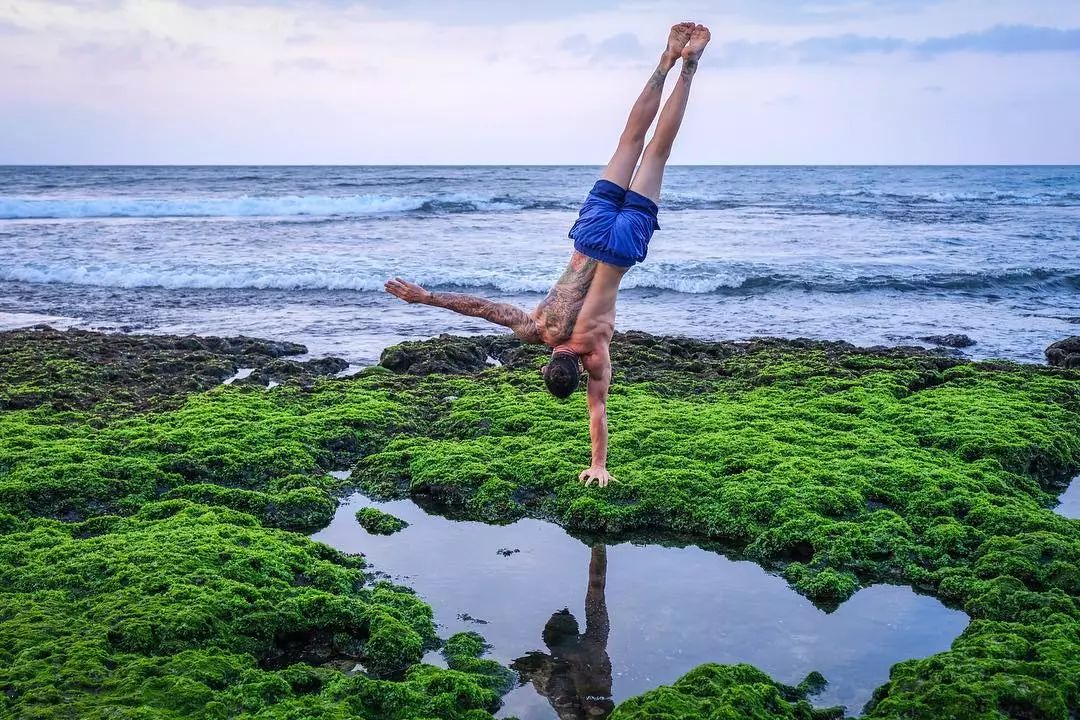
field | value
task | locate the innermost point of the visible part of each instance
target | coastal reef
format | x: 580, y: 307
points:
x: 144, y: 574
x: 377, y: 522
x: 151, y: 516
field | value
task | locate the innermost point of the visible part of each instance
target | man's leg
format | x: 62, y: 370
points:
x: 620, y: 168
x: 651, y: 173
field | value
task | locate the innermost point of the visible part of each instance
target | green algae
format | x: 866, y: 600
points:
x: 377, y: 522
x: 724, y: 692
x: 838, y: 470
x: 184, y: 610
x: 150, y: 568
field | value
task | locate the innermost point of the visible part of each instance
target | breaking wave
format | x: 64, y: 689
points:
x: 694, y: 279
x: 853, y: 201
x: 248, y: 206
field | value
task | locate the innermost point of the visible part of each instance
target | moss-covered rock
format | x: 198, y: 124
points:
x: 184, y: 610
x: 84, y: 369
x: 145, y: 570
x: 377, y: 522
x: 722, y: 692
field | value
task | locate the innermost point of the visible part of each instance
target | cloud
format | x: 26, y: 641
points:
x: 1005, y: 39
x: 793, y: 12
x: 138, y: 54
x: 826, y: 49
x: 301, y: 39
x: 303, y: 64
x: 576, y: 44
x: 624, y: 46
x: 10, y: 28
x: 619, y: 48
x: 439, y: 12
x: 784, y: 101
x: 1001, y: 39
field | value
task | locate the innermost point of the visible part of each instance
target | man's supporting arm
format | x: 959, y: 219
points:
x: 599, y: 382
x: 523, y: 325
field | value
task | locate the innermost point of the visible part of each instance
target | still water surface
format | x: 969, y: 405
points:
x: 587, y: 627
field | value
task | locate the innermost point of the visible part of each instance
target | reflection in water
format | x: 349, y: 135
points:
x: 1069, y: 502
x: 670, y: 609
x: 575, y: 675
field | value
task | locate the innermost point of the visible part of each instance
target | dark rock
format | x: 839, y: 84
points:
x: 676, y: 363
x: 507, y: 552
x: 1065, y: 353
x: 446, y: 355
x: 466, y: 617
x: 81, y: 368
x: 951, y: 340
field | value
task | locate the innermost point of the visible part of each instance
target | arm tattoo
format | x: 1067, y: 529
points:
x: 499, y: 313
x: 564, y: 300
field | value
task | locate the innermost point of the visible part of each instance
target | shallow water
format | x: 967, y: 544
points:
x: 1069, y: 502
x: 597, y: 625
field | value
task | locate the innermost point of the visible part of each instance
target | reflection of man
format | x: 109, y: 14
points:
x: 576, y: 676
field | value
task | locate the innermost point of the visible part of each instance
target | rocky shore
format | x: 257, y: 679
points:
x: 151, y: 517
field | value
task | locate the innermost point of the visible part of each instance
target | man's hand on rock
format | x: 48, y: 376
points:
x: 600, y: 475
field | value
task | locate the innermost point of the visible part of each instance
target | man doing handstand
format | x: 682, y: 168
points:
x: 577, y: 318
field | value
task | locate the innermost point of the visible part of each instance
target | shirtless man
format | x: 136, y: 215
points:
x: 612, y: 233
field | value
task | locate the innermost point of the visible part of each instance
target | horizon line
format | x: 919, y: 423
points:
x: 534, y: 165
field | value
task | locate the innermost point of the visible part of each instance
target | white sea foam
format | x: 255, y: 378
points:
x: 691, y: 278
x: 245, y: 206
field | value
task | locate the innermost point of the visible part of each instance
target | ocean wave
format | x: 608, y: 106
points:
x: 989, y: 196
x: 334, y: 206
x: 694, y: 279
x: 247, y: 206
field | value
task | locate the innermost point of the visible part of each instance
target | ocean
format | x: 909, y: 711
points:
x: 872, y: 255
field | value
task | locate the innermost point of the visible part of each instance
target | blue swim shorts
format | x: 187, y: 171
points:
x: 615, y: 225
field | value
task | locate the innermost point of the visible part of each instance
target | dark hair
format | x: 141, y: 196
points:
x: 561, y: 375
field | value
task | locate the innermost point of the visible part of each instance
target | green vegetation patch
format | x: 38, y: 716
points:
x: 839, y: 467
x: 377, y: 522
x: 723, y: 692
x: 149, y: 563
x: 184, y: 610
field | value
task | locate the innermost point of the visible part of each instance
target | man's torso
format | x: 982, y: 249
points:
x: 579, y: 311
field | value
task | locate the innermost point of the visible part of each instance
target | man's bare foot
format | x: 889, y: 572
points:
x: 699, y: 38
x: 677, y: 39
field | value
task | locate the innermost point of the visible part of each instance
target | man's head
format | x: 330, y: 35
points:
x: 562, y: 373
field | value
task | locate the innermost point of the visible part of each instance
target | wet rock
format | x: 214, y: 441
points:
x: 677, y: 363
x: 950, y: 340
x: 377, y: 522
x: 445, y: 355
x: 278, y: 371
x: 1065, y: 353
x: 78, y: 369
x: 466, y: 617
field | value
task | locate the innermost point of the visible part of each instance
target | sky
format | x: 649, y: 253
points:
x: 541, y: 82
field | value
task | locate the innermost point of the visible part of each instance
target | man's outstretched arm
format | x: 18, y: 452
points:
x: 599, y: 369
x: 523, y: 325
